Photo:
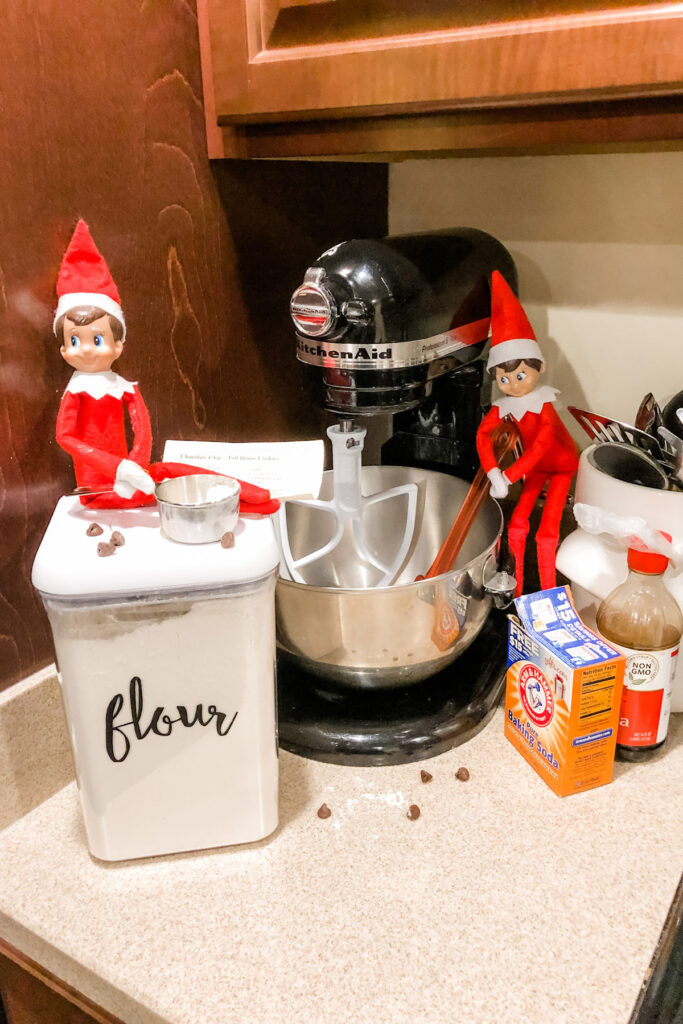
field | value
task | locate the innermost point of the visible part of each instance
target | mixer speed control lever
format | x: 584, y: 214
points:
x: 356, y: 312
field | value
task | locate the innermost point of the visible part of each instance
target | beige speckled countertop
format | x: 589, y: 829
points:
x: 501, y: 904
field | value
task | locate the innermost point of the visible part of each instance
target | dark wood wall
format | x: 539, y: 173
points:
x: 101, y: 117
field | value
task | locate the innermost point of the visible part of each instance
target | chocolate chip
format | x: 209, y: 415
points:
x: 104, y: 549
x: 425, y: 776
x: 462, y: 774
x: 413, y: 812
x: 94, y: 530
x: 228, y: 540
x: 117, y: 539
x: 324, y: 811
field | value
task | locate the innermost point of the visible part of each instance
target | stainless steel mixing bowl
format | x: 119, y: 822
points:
x: 346, y: 634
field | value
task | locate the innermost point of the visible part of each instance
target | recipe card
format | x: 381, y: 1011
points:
x: 288, y: 469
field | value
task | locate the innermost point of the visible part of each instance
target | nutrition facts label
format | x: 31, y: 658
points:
x: 597, y: 692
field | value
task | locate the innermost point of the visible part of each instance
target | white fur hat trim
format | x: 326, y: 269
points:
x: 514, y: 348
x: 72, y: 299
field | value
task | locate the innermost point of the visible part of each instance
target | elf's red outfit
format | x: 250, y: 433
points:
x: 92, y: 430
x: 91, y: 423
x: 550, y: 456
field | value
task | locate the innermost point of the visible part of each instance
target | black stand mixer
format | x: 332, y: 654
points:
x: 373, y: 667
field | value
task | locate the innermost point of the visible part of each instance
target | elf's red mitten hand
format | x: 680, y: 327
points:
x: 254, y: 501
x: 259, y: 508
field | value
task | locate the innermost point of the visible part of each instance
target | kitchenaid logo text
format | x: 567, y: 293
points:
x: 119, y: 734
x: 355, y: 352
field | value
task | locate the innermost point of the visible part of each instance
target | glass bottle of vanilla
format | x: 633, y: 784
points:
x: 643, y: 620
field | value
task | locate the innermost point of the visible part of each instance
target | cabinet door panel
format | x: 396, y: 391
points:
x: 283, y: 60
x: 30, y: 994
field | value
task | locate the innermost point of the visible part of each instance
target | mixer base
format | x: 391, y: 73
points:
x: 394, y: 726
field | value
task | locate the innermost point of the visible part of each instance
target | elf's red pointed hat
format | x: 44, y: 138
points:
x: 84, y: 278
x: 512, y: 336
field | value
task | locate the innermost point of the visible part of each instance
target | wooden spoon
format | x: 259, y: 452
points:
x: 649, y: 415
x: 504, y: 437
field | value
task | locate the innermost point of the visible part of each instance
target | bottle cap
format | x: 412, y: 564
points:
x: 650, y: 562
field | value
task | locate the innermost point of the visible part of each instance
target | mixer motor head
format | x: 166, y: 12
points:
x: 381, y: 320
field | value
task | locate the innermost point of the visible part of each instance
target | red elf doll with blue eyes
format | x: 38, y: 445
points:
x: 549, y: 456
x: 91, y: 426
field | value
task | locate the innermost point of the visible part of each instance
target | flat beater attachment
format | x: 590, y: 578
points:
x: 347, y: 507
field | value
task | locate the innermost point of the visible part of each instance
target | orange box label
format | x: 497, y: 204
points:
x: 563, y: 692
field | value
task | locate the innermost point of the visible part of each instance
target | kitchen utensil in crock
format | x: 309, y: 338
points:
x: 198, y: 509
x: 345, y: 513
x: 672, y: 415
x: 600, y: 428
x: 505, y: 436
x: 344, y: 633
x: 633, y: 465
x: 673, y: 445
x: 649, y: 415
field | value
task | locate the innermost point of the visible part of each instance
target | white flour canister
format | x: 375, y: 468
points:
x: 166, y: 659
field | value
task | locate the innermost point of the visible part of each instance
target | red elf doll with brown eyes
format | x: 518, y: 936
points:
x: 91, y: 426
x: 549, y: 456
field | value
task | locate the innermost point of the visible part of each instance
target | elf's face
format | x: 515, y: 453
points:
x: 91, y: 347
x: 520, y: 381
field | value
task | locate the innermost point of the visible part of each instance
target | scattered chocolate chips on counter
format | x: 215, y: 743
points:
x: 104, y: 549
x: 94, y: 530
x: 425, y: 776
x: 324, y: 811
x: 228, y: 541
x: 462, y: 774
x: 413, y: 812
x: 117, y: 539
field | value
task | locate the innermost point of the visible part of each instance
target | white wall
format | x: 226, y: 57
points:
x: 598, y: 243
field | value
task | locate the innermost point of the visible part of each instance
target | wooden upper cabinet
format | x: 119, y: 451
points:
x: 292, y: 61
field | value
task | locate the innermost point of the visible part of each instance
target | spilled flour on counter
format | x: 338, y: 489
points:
x: 396, y: 799
x: 352, y: 805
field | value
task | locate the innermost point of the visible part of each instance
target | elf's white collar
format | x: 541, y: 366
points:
x: 100, y: 384
x: 533, y: 402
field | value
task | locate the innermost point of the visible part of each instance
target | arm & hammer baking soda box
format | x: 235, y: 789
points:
x: 563, y: 693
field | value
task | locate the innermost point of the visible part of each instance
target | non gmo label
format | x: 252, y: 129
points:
x: 641, y: 668
x: 646, y: 698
